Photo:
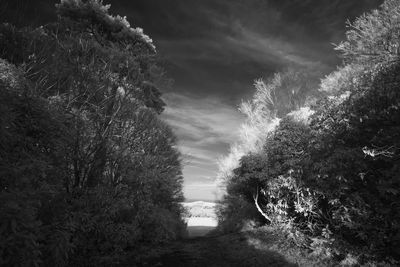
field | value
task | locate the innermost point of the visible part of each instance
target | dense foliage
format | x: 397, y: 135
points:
x: 332, y: 174
x: 90, y: 175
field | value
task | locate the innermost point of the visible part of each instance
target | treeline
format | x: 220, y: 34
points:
x: 327, y: 173
x: 89, y: 174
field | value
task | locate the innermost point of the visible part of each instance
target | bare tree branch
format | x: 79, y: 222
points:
x: 255, y: 197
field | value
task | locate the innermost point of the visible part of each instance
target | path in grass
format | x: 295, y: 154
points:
x: 235, y: 249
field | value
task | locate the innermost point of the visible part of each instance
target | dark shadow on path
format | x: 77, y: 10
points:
x: 197, y: 231
x: 218, y: 251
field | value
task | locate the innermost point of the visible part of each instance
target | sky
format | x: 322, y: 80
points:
x: 214, y: 50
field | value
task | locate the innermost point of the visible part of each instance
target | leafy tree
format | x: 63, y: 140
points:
x: 273, y: 98
x: 336, y: 173
x: 374, y: 36
x: 355, y: 157
x: 90, y: 174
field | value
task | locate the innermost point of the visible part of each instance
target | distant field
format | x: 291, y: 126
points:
x: 202, y: 218
x: 200, y: 209
x: 201, y: 221
x: 200, y: 226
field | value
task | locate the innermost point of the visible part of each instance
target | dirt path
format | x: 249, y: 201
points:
x: 225, y: 250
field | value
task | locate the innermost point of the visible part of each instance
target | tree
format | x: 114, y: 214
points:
x: 91, y: 174
x: 355, y: 146
x: 273, y: 99
x: 335, y: 171
x: 374, y: 36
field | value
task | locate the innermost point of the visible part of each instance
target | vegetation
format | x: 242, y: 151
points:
x: 90, y: 176
x: 328, y: 173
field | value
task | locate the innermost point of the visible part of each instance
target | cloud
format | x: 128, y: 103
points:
x: 264, y: 48
x: 205, y: 128
x: 203, y: 190
x: 223, y: 52
x: 215, y: 49
x: 219, y: 62
x: 202, y: 121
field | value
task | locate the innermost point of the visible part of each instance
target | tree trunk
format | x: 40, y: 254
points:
x: 100, y: 156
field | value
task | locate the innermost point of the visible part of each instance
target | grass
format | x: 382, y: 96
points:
x: 195, y: 231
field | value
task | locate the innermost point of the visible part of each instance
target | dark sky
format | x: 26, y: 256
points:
x: 213, y: 50
x: 218, y: 47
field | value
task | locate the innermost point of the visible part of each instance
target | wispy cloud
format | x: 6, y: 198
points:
x: 215, y: 49
x: 202, y: 190
x: 266, y: 48
x: 224, y: 58
x: 205, y: 128
x: 203, y: 121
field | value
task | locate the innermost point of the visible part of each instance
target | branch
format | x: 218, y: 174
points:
x: 255, y: 197
x: 379, y: 151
